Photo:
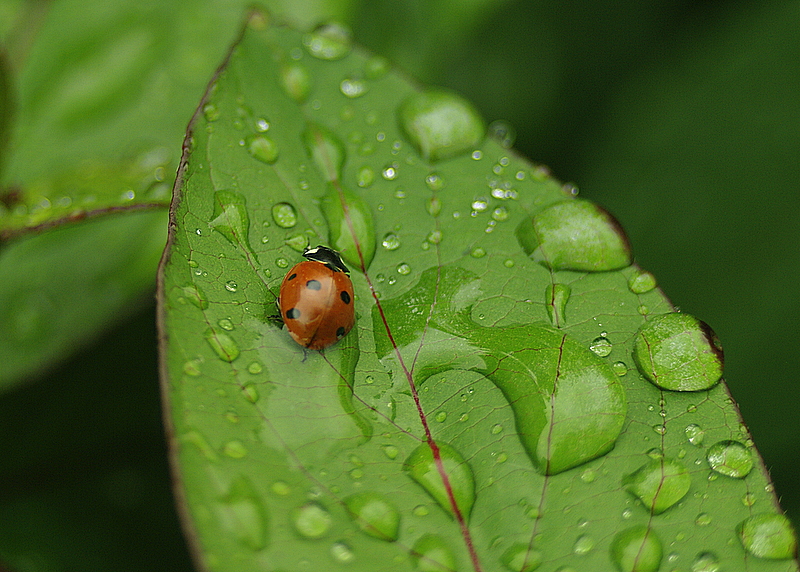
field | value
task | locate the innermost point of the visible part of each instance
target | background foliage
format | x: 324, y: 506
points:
x: 680, y: 117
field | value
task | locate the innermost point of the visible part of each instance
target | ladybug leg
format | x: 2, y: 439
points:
x: 276, y: 318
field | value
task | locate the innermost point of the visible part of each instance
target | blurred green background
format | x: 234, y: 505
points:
x: 680, y: 117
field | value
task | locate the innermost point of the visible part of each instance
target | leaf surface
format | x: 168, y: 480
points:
x: 486, y: 411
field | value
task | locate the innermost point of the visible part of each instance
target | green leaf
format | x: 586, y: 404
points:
x: 484, y: 413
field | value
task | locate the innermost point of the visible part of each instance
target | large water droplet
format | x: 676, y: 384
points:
x: 353, y: 87
x: 575, y: 235
x: 520, y: 558
x: 312, y: 520
x: 730, y: 458
x: 556, y: 297
x: 583, y: 545
x: 284, y: 215
x: 636, y: 549
x: 222, y: 344
x: 326, y: 149
x: 262, y: 148
x: 678, y: 352
x: 695, y: 434
x: 659, y: 484
x: 440, y: 124
x: 365, y: 177
x: 328, y: 42
x: 601, y: 346
x: 430, y: 553
x: 423, y: 468
x: 230, y: 218
x: 706, y: 562
x: 374, y: 515
x: 503, y: 132
x: 196, y: 296
x: 296, y: 81
x: 243, y: 513
x: 641, y: 282
x: 350, y: 226
x: 768, y: 535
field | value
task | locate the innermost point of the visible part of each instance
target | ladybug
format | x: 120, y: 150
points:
x: 316, y: 299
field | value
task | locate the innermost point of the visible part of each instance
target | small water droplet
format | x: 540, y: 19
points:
x: 297, y: 242
x: 556, y: 297
x: 341, y: 552
x: 403, y: 269
x: 284, y: 215
x: 601, y: 346
x: 768, y: 535
x: 730, y: 458
x: 588, y: 475
x: 620, y: 368
x: 496, y: 429
x: 520, y: 558
x: 374, y: 515
x: 477, y: 252
x: 694, y: 434
x: 434, y: 237
x: 641, y: 282
x: 636, y: 549
x: 222, y: 344
x: 390, y: 451
x: 365, y: 177
x: 706, y: 562
x: 192, y: 367
x: 389, y: 172
x: 376, y: 67
x: 391, y: 241
x: 441, y: 417
x: 244, y: 514
x: 281, y: 262
x: 280, y: 488
x: 659, y: 484
x: 502, y: 132
x: 262, y: 148
x: 328, y: 42
x: 231, y: 286
x: 225, y: 324
x: 748, y: 499
x: 434, y: 181
x: 254, y: 368
x: 250, y: 393
x: 500, y: 214
x: 312, y: 520
x: 434, y: 206
x: 235, y: 449
x: 479, y: 205
x: 353, y: 87
x: 210, y: 112
x: 703, y: 519
x: 583, y: 545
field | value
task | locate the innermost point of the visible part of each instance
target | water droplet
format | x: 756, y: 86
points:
x: 641, y: 282
x: 520, y: 558
x: 196, y: 296
x: 620, y: 368
x: 636, y: 549
x: 231, y: 286
x: 695, y: 434
x: 222, y: 344
x: 353, y: 87
x: 328, y: 42
x: 281, y: 262
x: 341, y: 552
x: 434, y: 206
x: 441, y: 417
x: 730, y: 458
x: 280, y: 488
x: 430, y: 553
x: 496, y: 429
x: 284, y: 215
x: 556, y: 297
x: 296, y: 81
x: 376, y: 67
x: 703, y: 519
x: 365, y: 177
x: 423, y: 468
x: 351, y: 231
x: 243, y: 513
x: 434, y: 237
x: 374, y: 515
x: 250, y: 393
x: 706, y: 562
x: 748, y: 499
x: 659, y: 484
x: 500, y: 214
x: 210, y: 112
x: 588, y: 475
x: 403, y: 269
x: 601, y: 346
x: 390, y: 451
x: 768, y: 535
x: 440, y: 124
x: 226, y: 324
x: 389, y: 172
x: 192, y: 367
x: 326, y: 149
x: 312, y: 520
x: 297, y: 242
x: 230, y: 218
x: 575, y: 235
x: 678, y: 352
x: 583, y: 545
x: 435, y: 182
x: 479, y: 205
x: 391, y: 241
x: 262, y: 148
x: 235, y: 449
x: 477, y: 252
x: 502, y: 132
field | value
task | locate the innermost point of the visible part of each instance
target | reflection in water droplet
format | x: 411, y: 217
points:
x: 659, y: 484
x: 636, y: 549
x: 575, y: 235
x: 225, y: 324
x: 312, y: 520
x: 242, y: 513
x: 768, y: 535
x: 440, y: 124
x: 678, y: 352
x: 434, y: 181
x: 601, y: 346
x: 520, y: 558
x: 500, y: 214
x: 431, y: 553
x: 583, y: 545
x: 222, y: 344
x: 231, y: 286
x: 328, y: 42
x: 706, y: 562
x: 730, y: 458
x: 390, y: 241
x: 479, y: 205
x: 695, y: 434
x: 374, y: 515
x: 424, y: 469
x: 641, y: 282
x: 262, y: 148
x: 556, y: 297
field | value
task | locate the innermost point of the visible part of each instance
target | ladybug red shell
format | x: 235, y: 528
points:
x: 316, y: 299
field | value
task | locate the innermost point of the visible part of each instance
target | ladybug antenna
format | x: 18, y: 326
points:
x: 326, y: 256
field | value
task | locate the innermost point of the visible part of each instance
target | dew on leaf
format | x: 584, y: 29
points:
x: 601, y: 346
x: 423, y: 468
x: 329, y: 41
x: 222, y: 344
x: 326, y: 149
x: 434, y: 206
x: 706, y: 562
x: 434, y: 237
x: 196, y: 296
x: 477, y: 252
x: 390, y: 451
x: 659, y: 484
x: 694, y: 434
x: 440, y: 124
x: 441, y: 417
x: 403, y: 269
x: 588, y: 475
x: 280, y: 488
x: 250, y: 393
x: 390, y: 241
x: 434, y: 181
x: 230, y: 218
x: 192, y: 367
x: 769, y: 536
x: 479, y: 205
x: 262, y: 148
x: 702, y: 519
x: 500, y: 214
x: 730, y: 458
x: 365, y: 177
x: 312, y: 520
x: 748, y: 499
x: 641, y: 282
x: 431, y: 553
x: 376, y: 67
x: 678, y: 352
x: 226, y: 324
x: 231, y: 286
x: 574, y: 235
x: 353, y: 87
x: 244, y: 515
x: 235, y: 449
x: 556, y: 297
x: 281, y: 262
x: 636, y: 549
x: 583, y: 545
x: 503, y: 133
x: 389, y: 173
x: 297, y: 242
x: 341, y: 552
x: 520, y: 558
x: 210, y: 112
x: 351, y: 229
x: 374, y: 515
x: 620, y: 368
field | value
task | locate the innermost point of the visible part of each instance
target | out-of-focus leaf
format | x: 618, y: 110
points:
x: 484, y: 412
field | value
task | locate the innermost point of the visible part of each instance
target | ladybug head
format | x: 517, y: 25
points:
x: 326, y: 256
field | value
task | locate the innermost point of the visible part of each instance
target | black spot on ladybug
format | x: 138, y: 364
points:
x: 345, y: 297
x: 314, y: 285
x: 292, y: 277
x: 292, y: 314
x: 339, y: 332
